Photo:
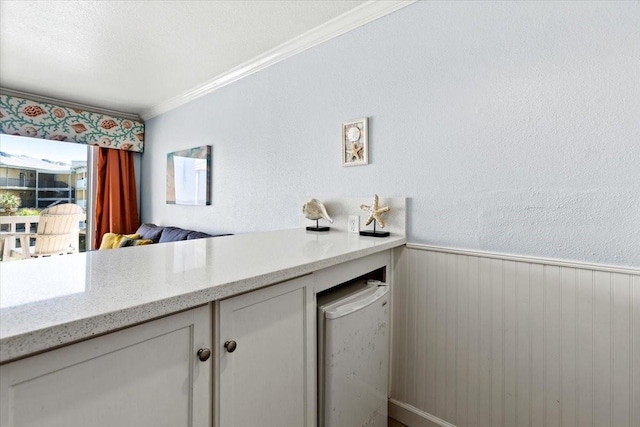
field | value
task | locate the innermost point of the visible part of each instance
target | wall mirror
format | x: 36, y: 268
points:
x: 189, y: 176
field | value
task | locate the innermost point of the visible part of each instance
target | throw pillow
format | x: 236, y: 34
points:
x: 126, y: 242
x: 150, y: 232
x: 113, y: 240
x: 173, y: 234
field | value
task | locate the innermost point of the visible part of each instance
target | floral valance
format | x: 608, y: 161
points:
x: 23, y: 117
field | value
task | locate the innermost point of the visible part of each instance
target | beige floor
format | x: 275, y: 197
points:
x: 394, y: 423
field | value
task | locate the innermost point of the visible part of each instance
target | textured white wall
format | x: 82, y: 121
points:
x: 512, y: 127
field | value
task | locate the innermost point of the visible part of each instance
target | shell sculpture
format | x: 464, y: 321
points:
x: 314, y: 209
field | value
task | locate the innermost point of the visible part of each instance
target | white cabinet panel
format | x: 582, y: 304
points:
x: 147, y: 375
x: 268, y: 380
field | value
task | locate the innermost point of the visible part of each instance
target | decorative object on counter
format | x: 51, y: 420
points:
x: 189, y: 176
x: 375, y: 216
x: 314, y: 210
x: 355, y: 143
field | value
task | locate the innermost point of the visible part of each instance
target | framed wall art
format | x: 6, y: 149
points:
x: 189, y: 176
x: 355, y: 143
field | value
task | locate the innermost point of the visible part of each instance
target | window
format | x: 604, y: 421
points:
x: 45, y: 173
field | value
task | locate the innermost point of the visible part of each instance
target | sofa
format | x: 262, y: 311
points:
x: 151, y: 233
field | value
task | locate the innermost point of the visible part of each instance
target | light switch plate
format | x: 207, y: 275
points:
x: 353, y: 225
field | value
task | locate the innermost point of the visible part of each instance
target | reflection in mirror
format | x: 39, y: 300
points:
x: 189, y: 176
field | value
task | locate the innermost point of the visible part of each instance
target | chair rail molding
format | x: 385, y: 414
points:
x: 527, y: 258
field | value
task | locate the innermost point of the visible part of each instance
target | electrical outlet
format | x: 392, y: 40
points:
x: 354, y: 224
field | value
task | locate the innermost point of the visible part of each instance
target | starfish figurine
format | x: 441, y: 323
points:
x: 375, y: 212
x: 355, y: 152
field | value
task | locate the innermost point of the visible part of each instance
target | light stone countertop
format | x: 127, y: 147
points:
x: 48, y: 302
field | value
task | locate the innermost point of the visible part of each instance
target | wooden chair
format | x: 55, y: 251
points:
x: 57, y: 233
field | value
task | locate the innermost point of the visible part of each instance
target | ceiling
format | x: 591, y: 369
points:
x: 144, y: 57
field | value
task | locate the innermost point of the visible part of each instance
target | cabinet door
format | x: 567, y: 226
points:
x: 268, y: 380
x: 146, y: 375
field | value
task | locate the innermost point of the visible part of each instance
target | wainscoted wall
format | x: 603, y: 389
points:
x: 491, y: 340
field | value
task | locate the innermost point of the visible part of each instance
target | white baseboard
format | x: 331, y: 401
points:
x: 414, y: 417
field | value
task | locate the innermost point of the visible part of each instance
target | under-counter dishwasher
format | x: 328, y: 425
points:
x: 353, y: 355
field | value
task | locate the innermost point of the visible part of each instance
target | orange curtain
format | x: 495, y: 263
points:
x: 116, y: 201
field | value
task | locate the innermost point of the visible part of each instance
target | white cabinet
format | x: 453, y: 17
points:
x: 151, y: 375
x: 269, y: 379
x: 146, y: 375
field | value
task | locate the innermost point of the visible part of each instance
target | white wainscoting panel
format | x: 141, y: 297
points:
x: 492, y: 340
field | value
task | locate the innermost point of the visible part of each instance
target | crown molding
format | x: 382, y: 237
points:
x: 346, y: 22
x: 63, y: 103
